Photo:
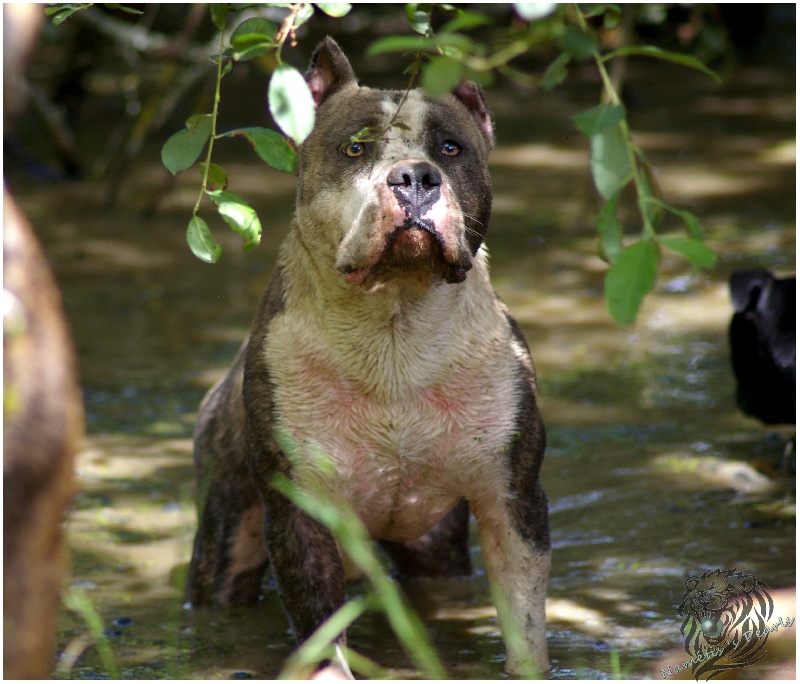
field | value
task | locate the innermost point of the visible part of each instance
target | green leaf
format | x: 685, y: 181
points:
x: 691, y: 222
x: 458, y: 41
x: 484, y: 79
x: 441, y: 75
x: 249, y: 47
x: 252, y: 38
x: 398, y: 44
x: 202, y: 244
x: 629, y: 279
x: 577, y: 43
x: 612, y: 18
x: 255, y: 26
x: 611, y: 168
x: 698, y: 254
x: 612, y: 14
x: 219, y: 14
x: 239, y: 216
x: 183, y: 148
x: 366, y: 134
x: 59, y: 19
x: 556, y: 72
x: 270, y: 146
x: 531, y: 11
x: 610, y: 230
x: 217, y: 177
x: 466, y: 20
x: 122, y: 8
x: 598, y: 9
x: 676, y: 57
x: 291, y: 103
x: 598, y: 119
x: 335, y: 9
x: 420, y: 20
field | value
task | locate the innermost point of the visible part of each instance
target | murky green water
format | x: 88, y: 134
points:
x: 650, y: 470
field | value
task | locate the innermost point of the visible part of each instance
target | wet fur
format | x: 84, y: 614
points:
x: 42, y: 431
x: 421, y: 391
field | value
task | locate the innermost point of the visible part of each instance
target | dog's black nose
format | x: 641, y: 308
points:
x: 416, y: 186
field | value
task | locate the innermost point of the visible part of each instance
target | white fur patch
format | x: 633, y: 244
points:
x: 401, y: 143
x: 411, y: 393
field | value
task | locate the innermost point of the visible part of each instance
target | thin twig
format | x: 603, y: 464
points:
x: 287, y: 28
x: 214, y: 112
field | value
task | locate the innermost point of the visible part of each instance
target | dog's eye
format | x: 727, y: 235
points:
x: 354, y: 149
x: 451, y: 149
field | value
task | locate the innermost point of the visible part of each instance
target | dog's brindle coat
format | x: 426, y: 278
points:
x: 380, y: 343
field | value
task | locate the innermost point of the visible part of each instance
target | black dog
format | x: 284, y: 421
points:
x: 762, y: 338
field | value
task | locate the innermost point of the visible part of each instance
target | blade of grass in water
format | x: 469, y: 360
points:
x: 318, y: 646
x: 77, y: 600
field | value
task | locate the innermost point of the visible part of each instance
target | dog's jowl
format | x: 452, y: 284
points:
x: 380, y: 344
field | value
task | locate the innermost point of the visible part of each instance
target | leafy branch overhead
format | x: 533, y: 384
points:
x: 444, y: 48
x: 290, y: 103
x: 615, y: 161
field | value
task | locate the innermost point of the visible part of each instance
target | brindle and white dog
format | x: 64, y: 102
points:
x: 380, y: 343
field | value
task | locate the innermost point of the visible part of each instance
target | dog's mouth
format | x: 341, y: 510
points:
x: 411, y: 228
x: 417, y: 240
x: 411, y: 248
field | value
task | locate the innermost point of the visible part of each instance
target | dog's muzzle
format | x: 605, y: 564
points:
x: 417, y: 187
x: 414, y: 229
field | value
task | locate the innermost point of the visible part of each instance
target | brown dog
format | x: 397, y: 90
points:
x: 43, y: 427
x: 42, y: 411
x: 380, y: 343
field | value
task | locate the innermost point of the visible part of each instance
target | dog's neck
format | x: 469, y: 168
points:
x: 394, y: 336
x: 383, y: 296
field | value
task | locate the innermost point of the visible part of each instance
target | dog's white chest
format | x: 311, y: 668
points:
x: 403, y: 457
x: 401, y: 465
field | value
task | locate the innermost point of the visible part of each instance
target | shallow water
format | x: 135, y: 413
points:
x: 651, y: 472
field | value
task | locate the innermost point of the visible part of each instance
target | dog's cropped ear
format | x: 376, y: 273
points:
x: 329, y: 71
x: 471, y: 97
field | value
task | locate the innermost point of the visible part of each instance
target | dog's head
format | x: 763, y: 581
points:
x: 763, y: 344
x: 393, y: 183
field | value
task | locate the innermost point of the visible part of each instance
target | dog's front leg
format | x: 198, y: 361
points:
x: 309, y: 572
x: 306, y: 562
x: 517, y: 562
x: 305, y: 558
